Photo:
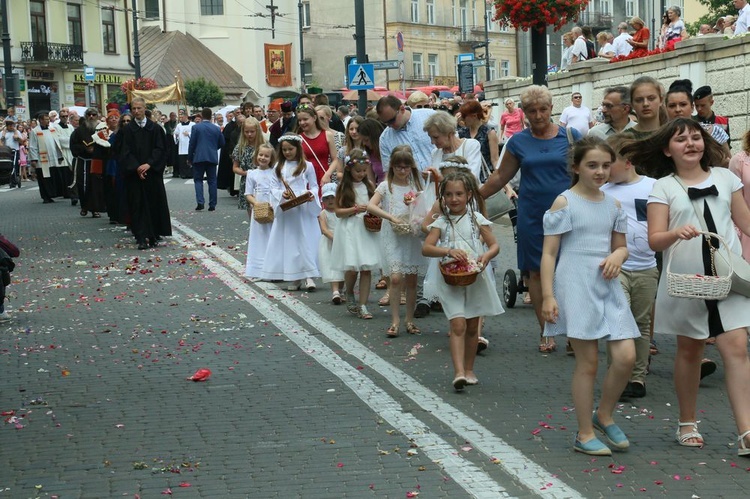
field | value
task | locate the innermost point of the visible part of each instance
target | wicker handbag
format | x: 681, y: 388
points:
x: 372, y: 222
x: 703, y: 287
x: 293, y: 200
x: 263, y: 213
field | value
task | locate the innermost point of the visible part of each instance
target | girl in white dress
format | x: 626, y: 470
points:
x: 355, y: 250
x: 680, y: 155
x: 401, y: 253
x: 455, y: 237
x: 328, y: 222
x: 586, y: 229
x: 258, y: 185
x: 292, y: 253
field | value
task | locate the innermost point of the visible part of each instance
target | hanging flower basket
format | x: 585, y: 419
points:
x: 537, y: 14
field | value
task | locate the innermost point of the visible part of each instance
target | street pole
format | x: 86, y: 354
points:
x: 136, y: 52
x: 539, y: 55
x: 10, y: 91
x: 359, y: 36
x: 301, y: 8
x: 486, y: 47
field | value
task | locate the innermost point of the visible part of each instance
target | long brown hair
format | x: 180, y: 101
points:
x: 649, y: 155
x: 299, y: 157
x: 345, y: 195
x: 402, y: 155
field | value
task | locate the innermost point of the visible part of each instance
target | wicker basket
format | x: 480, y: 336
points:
x: 294, y: 200
x: 263, y: 213
x: 401, y: 227
x: 458, y: 279
x: 372, y: 222
x: 702, y: 287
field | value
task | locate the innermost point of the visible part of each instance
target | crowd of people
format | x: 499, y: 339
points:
x: 397, y: 197
x: 633, y: 37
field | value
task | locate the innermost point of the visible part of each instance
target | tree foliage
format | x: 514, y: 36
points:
x: 200, y: 93
x: 716, y: 9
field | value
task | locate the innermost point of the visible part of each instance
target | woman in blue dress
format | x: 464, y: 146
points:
x: 540, y: 152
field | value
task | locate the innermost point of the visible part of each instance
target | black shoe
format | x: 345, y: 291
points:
x: 422, y: 310
x: 212, y: 208
x: 627, y: 393
x: 637, y: 389
x: 199, y: 207
x: 73, y: 202
x: 436, y: 306
x: 708, y: 367
x: 48, y: 201
x: 152, y: 243
x: 142, y: 245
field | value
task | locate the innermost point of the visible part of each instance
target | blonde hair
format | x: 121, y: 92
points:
x: 536, y: 94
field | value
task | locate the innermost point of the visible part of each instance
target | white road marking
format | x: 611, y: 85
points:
x: 167, y: 180
x: 533, y: 476
x: 466, y: 474
x: 189, y: 182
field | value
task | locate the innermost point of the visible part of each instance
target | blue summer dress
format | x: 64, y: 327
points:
x: 591, y: 307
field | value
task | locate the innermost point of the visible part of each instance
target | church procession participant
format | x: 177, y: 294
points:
x: 88, y: 159
x: 65, y: 130
x: 45, y: 153
x: 182, y: 139
x: 141, y: 158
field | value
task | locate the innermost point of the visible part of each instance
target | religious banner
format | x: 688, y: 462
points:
x: 278, y: 65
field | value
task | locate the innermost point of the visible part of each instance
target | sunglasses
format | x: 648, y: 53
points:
x: 577, y: 97
x: 92, y: 114
x: 390, y: 121
x: 421, y: 106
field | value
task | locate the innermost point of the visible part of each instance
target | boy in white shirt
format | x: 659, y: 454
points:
x: 639, y: 275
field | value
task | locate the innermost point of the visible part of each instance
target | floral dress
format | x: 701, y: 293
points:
x: 245, y: 159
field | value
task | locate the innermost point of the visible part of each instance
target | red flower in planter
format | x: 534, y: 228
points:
x: 532, y: 14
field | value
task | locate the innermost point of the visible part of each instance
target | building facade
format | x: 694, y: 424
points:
x: 237, y: 32
x: 53, y: 40
x: 434, y: 33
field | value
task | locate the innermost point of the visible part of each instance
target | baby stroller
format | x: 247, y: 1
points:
x: 512, y: 285
x: 9, y: 167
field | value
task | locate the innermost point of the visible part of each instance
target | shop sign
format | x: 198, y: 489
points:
x: 41, y: 88
x: 42, y: 75
x: 99, y: 78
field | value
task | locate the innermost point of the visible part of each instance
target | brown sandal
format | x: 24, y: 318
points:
x: 381, y: 284
x: 392, y: 331
x: 546, y: 346
x: 412, y: 328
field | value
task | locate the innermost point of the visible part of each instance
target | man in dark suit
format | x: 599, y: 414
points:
x: 142, y: 151
x: 203, y: 153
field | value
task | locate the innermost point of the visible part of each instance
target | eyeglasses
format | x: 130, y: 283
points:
x: 577, y: 97
x: 390, y: 121
x: 421, y: 106
x: 92, y: 114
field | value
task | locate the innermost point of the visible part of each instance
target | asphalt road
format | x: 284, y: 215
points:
x: 304, y: 400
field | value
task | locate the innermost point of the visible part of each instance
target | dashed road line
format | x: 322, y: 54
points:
x: 533, y: 476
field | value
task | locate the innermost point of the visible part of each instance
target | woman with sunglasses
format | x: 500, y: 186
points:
x: 418, y: 100
x: 475, y: 128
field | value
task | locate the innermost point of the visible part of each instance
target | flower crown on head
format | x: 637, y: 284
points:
x: 290, y: 138
x: 453, y: 164
x: 349, y: 161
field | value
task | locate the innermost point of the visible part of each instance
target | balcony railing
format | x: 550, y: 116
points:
x: 51, y: 52
x: 596, y: 18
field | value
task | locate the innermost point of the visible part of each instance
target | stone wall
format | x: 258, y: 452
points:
x: 706, y: 60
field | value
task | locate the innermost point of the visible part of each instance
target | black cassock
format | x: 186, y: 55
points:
x: 225, y: 177
x: 147, y: 198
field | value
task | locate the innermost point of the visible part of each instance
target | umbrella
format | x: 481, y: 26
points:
x: 477, y: 89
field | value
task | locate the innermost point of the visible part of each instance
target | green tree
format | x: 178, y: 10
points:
x: 200, y: 93
x: 716, y: 9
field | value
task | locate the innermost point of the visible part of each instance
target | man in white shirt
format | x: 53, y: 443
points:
x: 621, y: 45
x: 578, y: 116
x: 182, y: 139
x: 616, y: 110
x: 580, y: 51
x: 743, y: 18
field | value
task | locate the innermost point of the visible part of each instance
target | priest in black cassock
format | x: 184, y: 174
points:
x: 142, y: 159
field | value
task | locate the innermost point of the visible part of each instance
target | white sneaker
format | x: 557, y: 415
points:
x: 310, y: 284
x: 4, y: 316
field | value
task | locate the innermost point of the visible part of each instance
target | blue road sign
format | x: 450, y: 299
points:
x: 361, y: 77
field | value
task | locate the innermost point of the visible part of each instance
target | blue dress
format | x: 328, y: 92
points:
x: 591, y: 307
x: 544, y: 175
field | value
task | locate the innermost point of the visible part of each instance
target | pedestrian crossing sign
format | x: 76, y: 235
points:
x: 361, y: 77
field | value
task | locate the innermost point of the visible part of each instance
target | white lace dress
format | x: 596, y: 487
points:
x: 325, y: 250
x: 479, y: 299
x: 259, y: 184
x: 400, y: 253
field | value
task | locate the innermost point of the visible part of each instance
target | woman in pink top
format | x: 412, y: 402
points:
x: 740, y: 166
x: 318, y: 145
x: 512, y: 120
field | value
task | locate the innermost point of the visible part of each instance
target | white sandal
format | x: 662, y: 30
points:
x: 682, y: 438
x: 742, y: 448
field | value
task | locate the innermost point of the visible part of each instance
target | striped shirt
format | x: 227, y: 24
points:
x: 411, y: 134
